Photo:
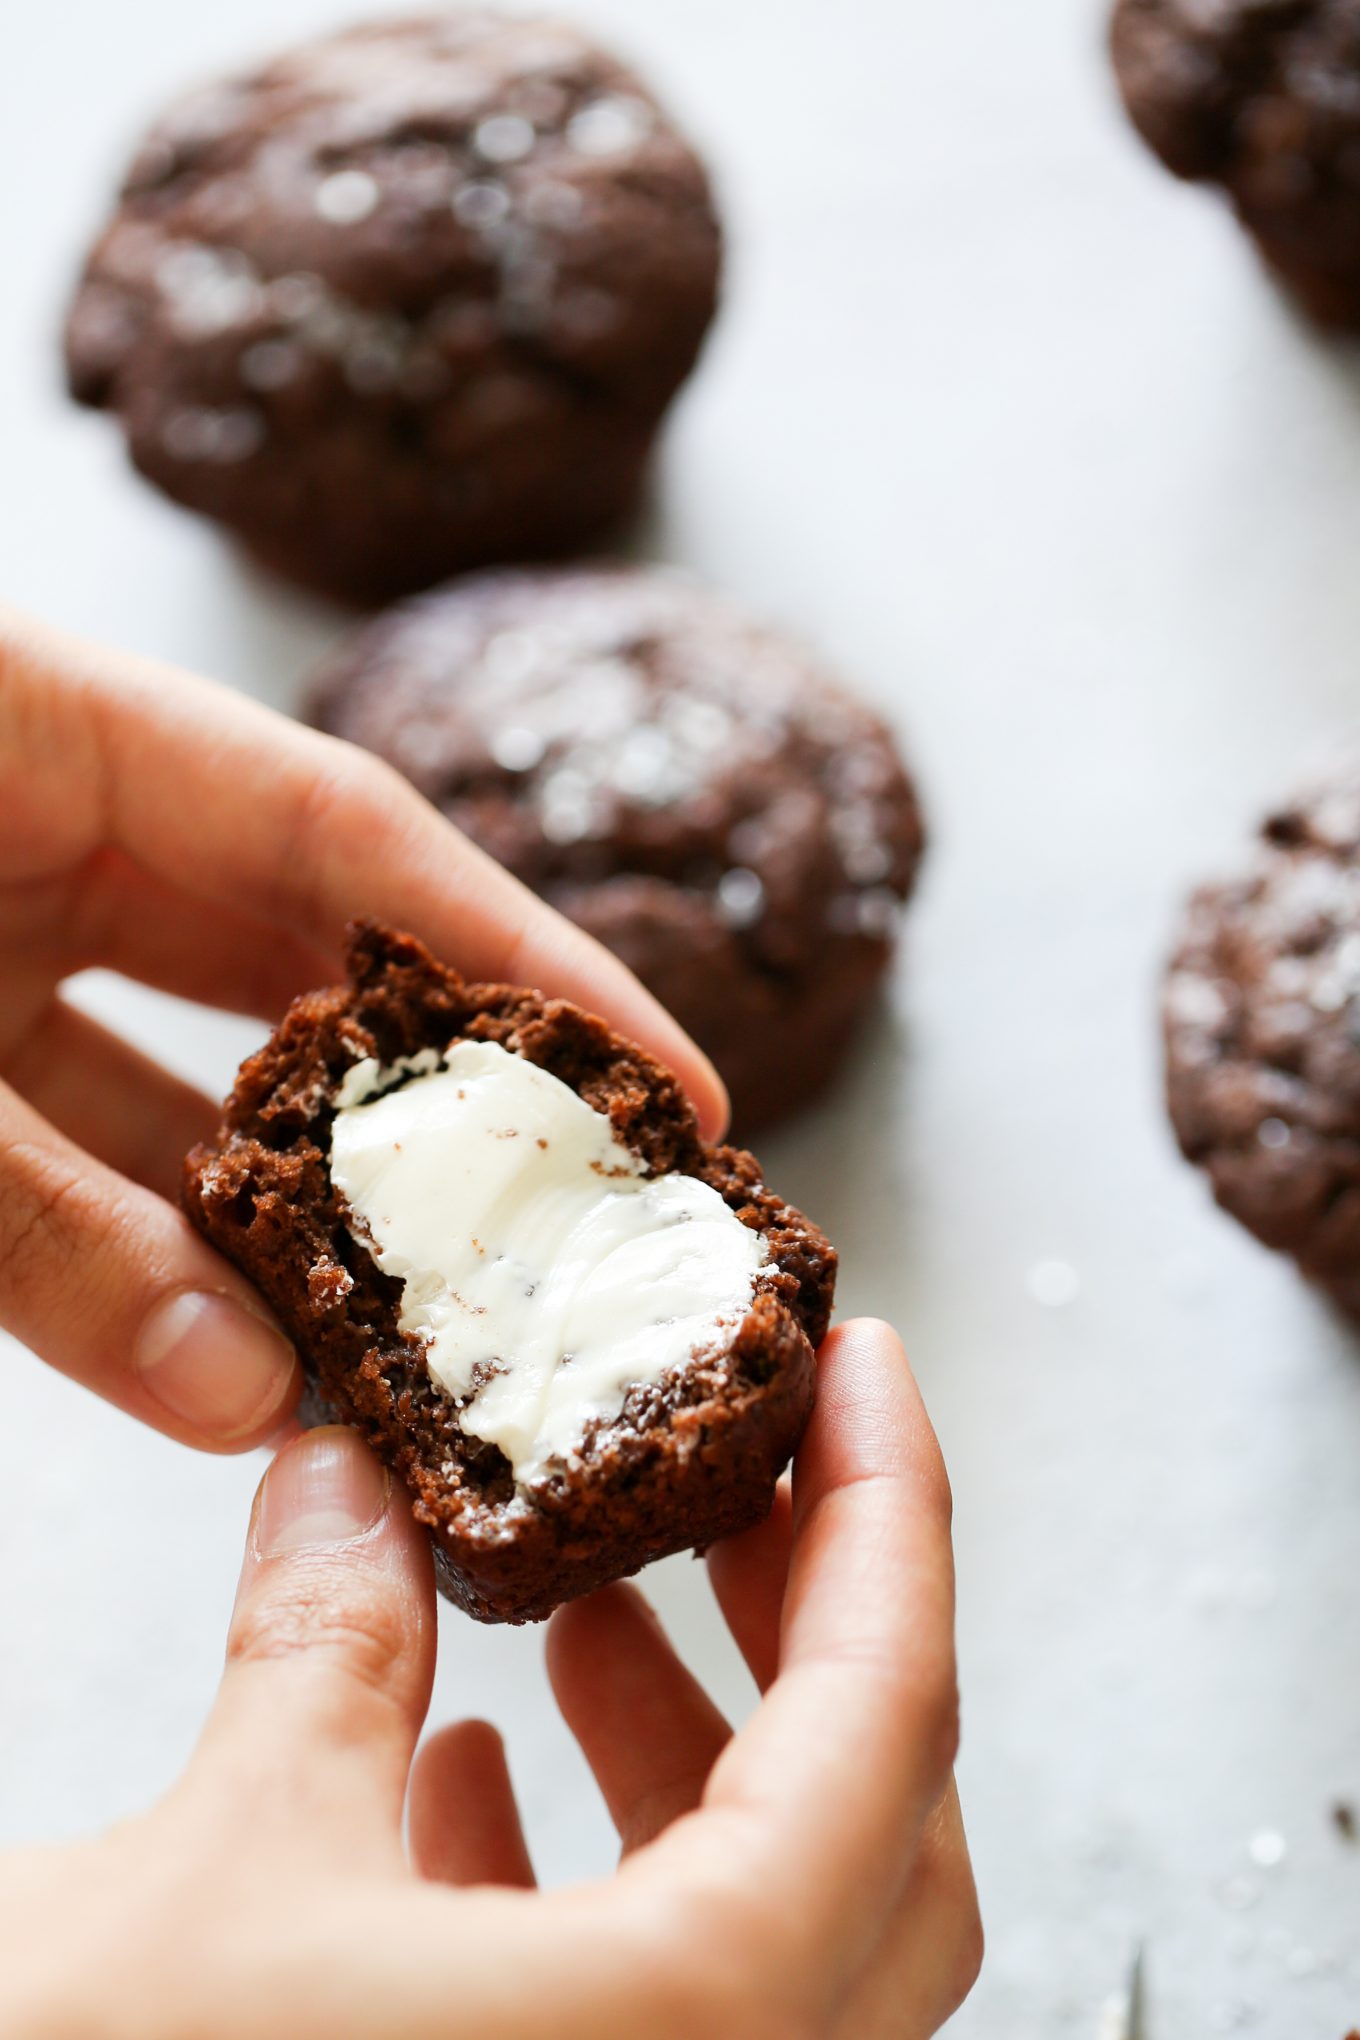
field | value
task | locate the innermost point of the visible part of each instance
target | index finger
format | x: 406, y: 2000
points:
x: 240, y: 806
x: 818, y: 1805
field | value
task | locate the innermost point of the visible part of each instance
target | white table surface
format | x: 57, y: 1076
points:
x: 1014, y: 427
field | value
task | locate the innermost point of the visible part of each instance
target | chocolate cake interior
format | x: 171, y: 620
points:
x: 687, y: 1458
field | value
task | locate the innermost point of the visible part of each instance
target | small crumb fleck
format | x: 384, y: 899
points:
x: 482, y: 203
x: 517, y: 748
x: 609, y: 126
x: 1344, y: 1820
x: 346, y: 197
x: 504, y: 138
x: 741, y: 897
x: 224, y: 436
x: 270, y: 365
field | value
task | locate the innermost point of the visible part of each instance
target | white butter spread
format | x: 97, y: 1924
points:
x: 529, y: 1241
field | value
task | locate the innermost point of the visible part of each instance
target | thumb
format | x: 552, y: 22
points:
x: 330, y: 1654
x: 110, y: 1284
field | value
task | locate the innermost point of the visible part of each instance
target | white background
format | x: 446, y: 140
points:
x: 1014, y: 427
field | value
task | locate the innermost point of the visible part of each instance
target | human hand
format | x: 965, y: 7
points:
x: 806, y: 1879
x: 169, y: 829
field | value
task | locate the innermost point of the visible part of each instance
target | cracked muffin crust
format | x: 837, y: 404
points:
x: 689, y: 1459
x: 1262, y: 1028
x: 407, y: 299
x: 1263, y: 98
x: 684, y: 783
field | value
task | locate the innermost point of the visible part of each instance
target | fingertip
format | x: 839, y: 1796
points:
x: 863, y: 1356
x: 869, y: 1415
x: 481, y: 1737
x: 708, y: 1095
x: 330, y: 1519
x: 579, y: 1633
x: 324, y: 1488
x: 563, y: 1627
x: 464, y: 1823
x: 460, y: 1749
x: 873, y: 1333
x: 217, y: 1367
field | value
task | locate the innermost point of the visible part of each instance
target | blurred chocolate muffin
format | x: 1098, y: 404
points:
x: 1263, y: 98
x: 407, y: 299
x: 1262, y: 1021
x: 684, y: 783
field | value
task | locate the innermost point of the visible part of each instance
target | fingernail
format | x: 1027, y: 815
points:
x: 325, y: 1489
x: 213, y: 1363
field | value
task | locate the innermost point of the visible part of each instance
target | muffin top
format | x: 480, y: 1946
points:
x: 594, y: 727
x: 1262, y: 1018
x: 1261, y: 95
x: 382, y: 211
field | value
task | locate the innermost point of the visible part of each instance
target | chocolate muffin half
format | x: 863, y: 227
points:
x: 583, y: 1338
x: 408, y: 298
x: 1261, y: 97
x: 686, y: 783
x: 1262, y: 1021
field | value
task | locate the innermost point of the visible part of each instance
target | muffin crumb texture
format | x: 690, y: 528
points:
x: 689, y: 1458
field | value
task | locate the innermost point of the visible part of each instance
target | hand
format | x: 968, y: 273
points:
x: 805, y: 1878
x: 166, y: 828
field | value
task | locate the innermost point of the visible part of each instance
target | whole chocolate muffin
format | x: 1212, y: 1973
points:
x: 684, y: 783
x: 1262, y: 1018
x: 580, y: 1336
x: 408, y: 299
x: 1263, y: 98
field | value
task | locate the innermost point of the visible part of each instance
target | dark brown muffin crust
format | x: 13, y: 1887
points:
x: 1262, y: 1022
x: 407, y: 299
x: 688, y: 1461
x: 1262, y: 97
x: 683, y: 782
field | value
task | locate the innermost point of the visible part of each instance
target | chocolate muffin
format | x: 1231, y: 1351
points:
x: 581, y: 1337
x: 408, y: 299
x: 1262, y: 1019
x: 684, y: 783
x: 1263, y: 98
